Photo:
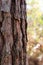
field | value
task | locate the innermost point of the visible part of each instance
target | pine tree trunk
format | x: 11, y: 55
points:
x: 13, y: 32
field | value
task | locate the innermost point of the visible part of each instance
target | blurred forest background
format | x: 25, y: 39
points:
x: 35, y: 28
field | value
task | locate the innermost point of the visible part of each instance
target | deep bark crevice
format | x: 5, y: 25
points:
x: 2, y: 40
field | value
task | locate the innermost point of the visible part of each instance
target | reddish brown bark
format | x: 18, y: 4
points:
x: 7, y: 33
x: 13, y: 33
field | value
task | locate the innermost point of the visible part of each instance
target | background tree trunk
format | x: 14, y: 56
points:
x: 13, y: 32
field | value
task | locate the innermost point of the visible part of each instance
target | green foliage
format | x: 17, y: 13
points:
x: 35, y: 29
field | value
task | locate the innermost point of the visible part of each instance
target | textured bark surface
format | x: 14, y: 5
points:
x: 13, y: 32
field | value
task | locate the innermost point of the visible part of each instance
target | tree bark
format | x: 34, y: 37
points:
x: 13, y: 32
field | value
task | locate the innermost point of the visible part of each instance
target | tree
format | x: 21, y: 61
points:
x: 13, y: 32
